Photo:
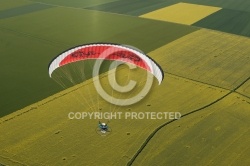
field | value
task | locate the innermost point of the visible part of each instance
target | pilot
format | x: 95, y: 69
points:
x: 103, y: 127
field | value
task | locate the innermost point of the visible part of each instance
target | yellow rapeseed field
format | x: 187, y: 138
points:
x: 218, y: 135
x: 211, y: 57
x: 183, y: 13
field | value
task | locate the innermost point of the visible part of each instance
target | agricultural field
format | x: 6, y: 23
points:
x: 195, y: 13
x: 228, y: 20
x: 205, y: 60
x: 12, y: 4
x: 217, y: 135
x: 75, y: 3
x: 211, y: 57
x: 245, y: 89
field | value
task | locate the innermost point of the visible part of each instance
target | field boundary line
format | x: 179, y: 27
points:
x: 242, y: 94
x: 176, y: 75
x: 242, y: 84
x: 233, y: 90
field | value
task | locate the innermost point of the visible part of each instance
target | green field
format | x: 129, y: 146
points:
x: 26, y: 9
x: 75, y: 3
x: 228, y: 20
x: 206, y: 71
x: 10, y: 4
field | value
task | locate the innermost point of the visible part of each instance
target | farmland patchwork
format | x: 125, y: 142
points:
x: 207, y: 80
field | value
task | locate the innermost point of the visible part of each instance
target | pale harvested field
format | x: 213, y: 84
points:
x: 43, y: 134
x: 211, y: 57
x: 183, y: 13
x: 218, y: 135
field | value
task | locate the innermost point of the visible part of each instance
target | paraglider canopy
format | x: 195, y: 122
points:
x: 107, y: 51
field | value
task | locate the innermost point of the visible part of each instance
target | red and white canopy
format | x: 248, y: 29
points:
x: 107, y: 51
